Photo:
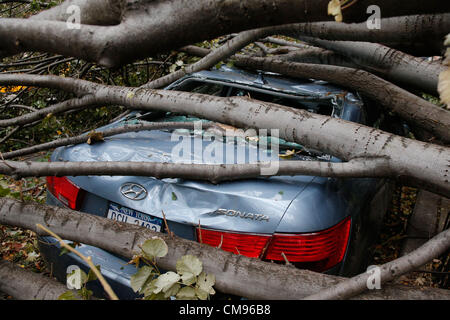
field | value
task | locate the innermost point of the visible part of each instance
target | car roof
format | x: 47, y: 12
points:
x: 267, y: 81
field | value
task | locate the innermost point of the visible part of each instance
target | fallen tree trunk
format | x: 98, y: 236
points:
x: 416, y: 162
x: 26, y: 285
x: 341, y: 72
x: 215, y: 173
x: 316, y: 56
x: 389, y: 63
x: 234, y: 274
x: 410, y: 107
x: 407, y: 31
x: 149, y: 27
x: 93, y: 12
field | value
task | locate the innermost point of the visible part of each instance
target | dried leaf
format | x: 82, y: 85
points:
x: 95, y: 136
x: 334, y: 9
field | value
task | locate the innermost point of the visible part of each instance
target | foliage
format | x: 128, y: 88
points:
x: 190, y: 282
x: 81, y: 286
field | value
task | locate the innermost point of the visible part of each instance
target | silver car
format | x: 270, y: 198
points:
x: 321, y: 224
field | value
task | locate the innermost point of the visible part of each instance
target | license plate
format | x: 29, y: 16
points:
x: 124, y: 214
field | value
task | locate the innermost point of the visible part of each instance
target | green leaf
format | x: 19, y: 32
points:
x: 149, y: 288
x: 68, y: 295
x: 189, y: 267
x: 85, y: 293
x: 186, y: 293
x: 4, y: 192
x: 204, y: 285
x: 172, y: 68
x: 165, y: 281
x: 230, y: 63
x: 201, y: 294
x: 91, y: 274
x: 155, y: 248
x: 172, y: 291
x: 174, y: 196
x: 155, y: 296
x: 139, y: 279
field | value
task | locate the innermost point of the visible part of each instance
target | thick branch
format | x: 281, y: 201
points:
x: 72, y: 104
x: 409, y: 106
x: 343, y: 139
x: 94, y: 12
x: 387, y: 62
x: 27, y: 285
x: 234, y: 274
x: 421, y: 28
x: 105, y: 133
x: 211, y: 172
x: 149, y: 27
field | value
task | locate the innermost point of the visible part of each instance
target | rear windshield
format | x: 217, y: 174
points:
x: 294, y: 150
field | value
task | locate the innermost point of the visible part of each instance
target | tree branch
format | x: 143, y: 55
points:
x: 105, y: 133
x: 27, y: 285
x: 234, y: 274
x: 346, y: 140
x: 391, y: 64
x: 214, y: 173
x: 149, y: 27
x: 407, y: 105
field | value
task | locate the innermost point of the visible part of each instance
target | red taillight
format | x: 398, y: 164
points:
x: 321, y: 250
x: 239, y: 243
x: 65, y: 191
x: 317, y: 251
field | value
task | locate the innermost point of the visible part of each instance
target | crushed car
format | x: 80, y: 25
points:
x: 317, y: 223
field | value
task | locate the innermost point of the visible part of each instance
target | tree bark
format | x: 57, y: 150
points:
x: 389, y: 63
x: 150, y: 27
x: 234, y: 274
x: 212, y: 58
x: 414, y: 161
x: 27, y: 285
x: 93, y: 12
x: 105, y: 133
x: 209, y: 172
x: 407, y: 105
x: 405, y: 30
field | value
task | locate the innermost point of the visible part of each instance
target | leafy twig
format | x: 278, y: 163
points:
x: 88, y: 260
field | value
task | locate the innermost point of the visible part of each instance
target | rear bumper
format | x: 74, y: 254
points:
x: 115, y: 269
